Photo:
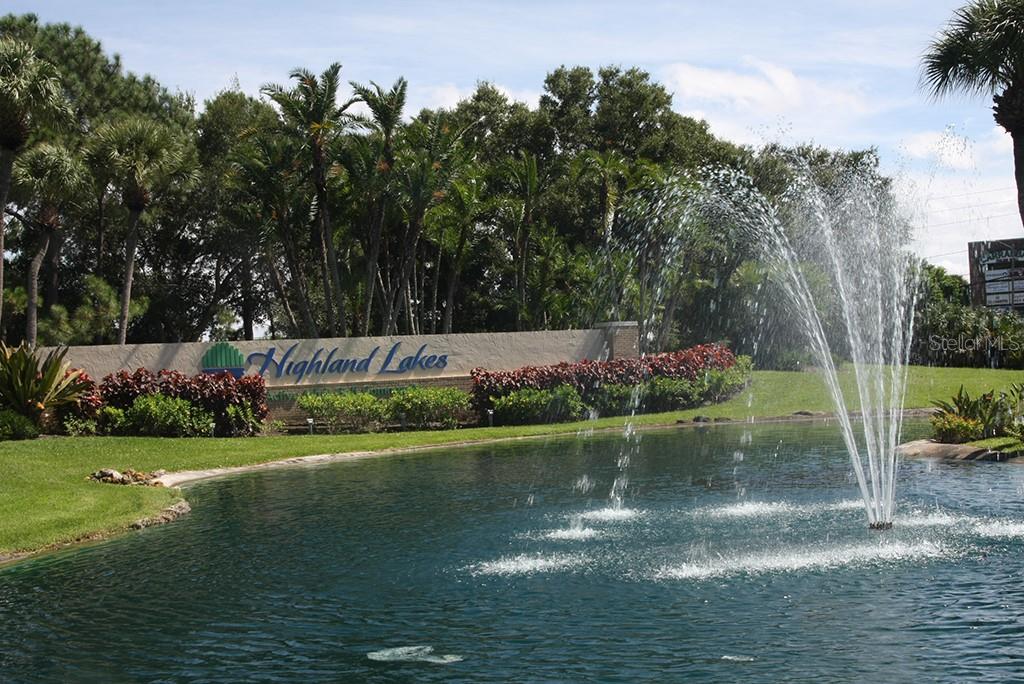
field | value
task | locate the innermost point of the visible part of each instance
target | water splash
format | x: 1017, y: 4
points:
x: 848, y: 238
x: 421, y: 654
x: 803, y: 559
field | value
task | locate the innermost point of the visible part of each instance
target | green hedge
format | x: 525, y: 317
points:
x: 533, y: 406
x: 411, y: 407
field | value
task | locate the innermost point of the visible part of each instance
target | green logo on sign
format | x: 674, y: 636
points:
x: 223, y: 357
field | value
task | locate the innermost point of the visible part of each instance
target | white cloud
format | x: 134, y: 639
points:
x: 768, y: 98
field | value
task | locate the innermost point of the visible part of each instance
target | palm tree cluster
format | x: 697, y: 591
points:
x: 321, y: 207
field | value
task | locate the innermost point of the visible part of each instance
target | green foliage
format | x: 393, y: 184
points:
x: 241, y: 421
x: 80, y: 427
x: 155, y: 415
x: 670, y: 394
x: 31, y: 385
x: 717, y: 385
x: 950, y: 428
x: 14, y: 426
x: 358, y: 411
x: 614, y: 400
x: 995, y: 413
x: 534, y: 407
x: 429, y: 407
x: 111, y: 420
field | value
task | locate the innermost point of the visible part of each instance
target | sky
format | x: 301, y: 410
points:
x: 838, y: 73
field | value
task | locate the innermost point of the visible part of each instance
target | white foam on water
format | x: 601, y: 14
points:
x: 572, y: 534
x: 610, y: 514
x: 420, y: 654
x: 763, y: 509
x: 796, y: 560
x: 525, y: 564
x: 1000, y: 529
x: 739, y: 658
x: 929, y: 519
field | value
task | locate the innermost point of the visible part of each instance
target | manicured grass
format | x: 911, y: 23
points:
x: 46, y: 499
x: 1005, y: 444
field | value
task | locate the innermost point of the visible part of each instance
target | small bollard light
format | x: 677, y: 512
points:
x: 213, y: 429
x: 490, y: 417
x: 309, y: 422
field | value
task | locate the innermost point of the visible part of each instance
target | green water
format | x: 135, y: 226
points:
x: 740, y: 554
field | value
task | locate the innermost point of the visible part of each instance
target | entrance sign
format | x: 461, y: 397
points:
x: 364, y: 360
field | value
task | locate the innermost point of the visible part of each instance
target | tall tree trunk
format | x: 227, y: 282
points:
x: 327, y: 236
x: 325, y: 277
x: 406, y: 268
x: 6, y: 168
x: 51, y: 295
x: 1018, y: 169
x: 32, y: 287
x: 298, y: 277
x: 373, y: 259
x: 129, y: 274
x: 434, y: 287
x: 101, y: 237
x: 453, y: 280
x: 248, y: 306
x: 282, y: 294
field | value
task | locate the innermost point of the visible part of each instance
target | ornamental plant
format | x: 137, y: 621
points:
x: 588, y: 376
x: 238, y: 406
x: 32, y: 385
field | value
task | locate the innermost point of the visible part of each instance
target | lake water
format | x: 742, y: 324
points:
x: 740, y: 554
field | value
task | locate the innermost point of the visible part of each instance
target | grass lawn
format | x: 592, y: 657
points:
x: 46, y: 499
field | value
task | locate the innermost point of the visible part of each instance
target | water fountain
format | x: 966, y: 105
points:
x: 848, y: 231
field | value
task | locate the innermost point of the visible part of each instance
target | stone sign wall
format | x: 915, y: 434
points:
x: 362, y: 361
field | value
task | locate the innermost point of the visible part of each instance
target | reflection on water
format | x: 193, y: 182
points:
x: 494, y: 564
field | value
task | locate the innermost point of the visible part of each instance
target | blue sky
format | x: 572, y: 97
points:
x: 838, y: 73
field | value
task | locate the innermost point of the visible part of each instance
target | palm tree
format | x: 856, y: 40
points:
x: 463, y: 209
x: 48, y: 177
x: 264, y: 168
x: 144, y: 158
x: 312, y: 111
x: 527, y: 187
x: 610, y: 169
x: 386, y: 107
x: 30, y: 97
x: 981, y: 51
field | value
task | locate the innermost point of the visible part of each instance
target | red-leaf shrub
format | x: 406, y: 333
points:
x: 122, y: 388
x: 586, y: 375
x: 212, y: 392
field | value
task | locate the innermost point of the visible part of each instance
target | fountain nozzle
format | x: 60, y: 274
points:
x: 880, y: 526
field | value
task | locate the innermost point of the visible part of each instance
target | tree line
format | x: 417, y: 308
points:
x: 327, y: 208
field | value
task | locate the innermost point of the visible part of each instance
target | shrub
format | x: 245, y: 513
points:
x: 14, y: 425
x: 30, y: 385
x: 588, y: 376
x: 428, y: 407
x: 360, y: 411
x: 111, y: 420
x: 122, y: 388
x: 156, y: 415
x: 241, y: 421
x: 671, y: 394
x: 614, y: 400
x: 950, y: 428
x: 79, y: 427
x: 993, y: 412
x: 86, y: 405
x: 532, y: 406
x: 215, y: 393
x: 719, y: 384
